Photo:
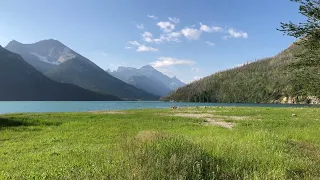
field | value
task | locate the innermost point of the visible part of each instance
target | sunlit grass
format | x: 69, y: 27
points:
x: 152, y: 144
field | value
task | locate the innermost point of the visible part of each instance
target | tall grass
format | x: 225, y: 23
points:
x: 170, y: 158
x: 268, y: 143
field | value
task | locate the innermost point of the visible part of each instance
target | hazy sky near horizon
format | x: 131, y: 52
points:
x: 184, y: 38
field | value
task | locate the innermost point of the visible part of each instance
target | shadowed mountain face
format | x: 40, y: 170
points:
x: 148, y: 79
x: 150, y: 85
x: 19, y: 81
x: 62, y: 64
x: 271, y: 80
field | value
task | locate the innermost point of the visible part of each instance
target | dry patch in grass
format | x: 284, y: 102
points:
x: 108, y: 112
x: 196, y: 111
x: 194, y: 115
x: 210, y: 119
x: 235, y: 118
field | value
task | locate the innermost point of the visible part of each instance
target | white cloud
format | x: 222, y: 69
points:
x: 144, y: 48
x: 166, y: 37
x: 174, y: 34
x: 194, y: 34
x: 104, y: 54
x: 128, y: 47
x: 208, y: 29
x: 166, y: 26
x: 174, y: 20
x: 191, y: 33
x: 236, y: 34
x: 147, y: 36
x: 152, y: 17
x: 141, y: 47
x: 196, y: 70
x: 210, y: 43
x: 169, y: 61
x: 171, y: 37
x: 140, y: 26
x: 158, y: 40
x: 136, y: 43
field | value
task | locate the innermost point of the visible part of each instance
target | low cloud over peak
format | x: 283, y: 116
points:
x: 169, y: 61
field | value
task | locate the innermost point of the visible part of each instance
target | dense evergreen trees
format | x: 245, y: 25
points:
x: 307, y: 69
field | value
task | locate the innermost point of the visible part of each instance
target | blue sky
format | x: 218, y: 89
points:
x: 184, y: 38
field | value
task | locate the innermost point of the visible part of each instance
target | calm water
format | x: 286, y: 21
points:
x: 75, y: 106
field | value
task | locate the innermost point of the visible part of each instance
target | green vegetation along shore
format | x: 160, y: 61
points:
x: 270, y: 80
x: 188, y: 143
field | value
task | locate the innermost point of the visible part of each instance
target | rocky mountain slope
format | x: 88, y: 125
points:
x: 19, y: 81
x: 148, y: 79
x: 62, y: 64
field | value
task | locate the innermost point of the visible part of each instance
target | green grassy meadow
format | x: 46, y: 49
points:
x: 263, y: 143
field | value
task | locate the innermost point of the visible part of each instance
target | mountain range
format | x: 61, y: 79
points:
x: 279, y: 79
x: 49, y: 70
x: 60, y: 63
x: 148, y: 79
x: 19, y: 81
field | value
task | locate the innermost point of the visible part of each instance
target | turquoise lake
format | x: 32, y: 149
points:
x: 83, y: 106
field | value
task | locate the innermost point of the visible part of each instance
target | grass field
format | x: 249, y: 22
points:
x: 189, y: 143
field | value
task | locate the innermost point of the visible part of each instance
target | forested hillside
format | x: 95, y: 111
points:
x: 272, y: 80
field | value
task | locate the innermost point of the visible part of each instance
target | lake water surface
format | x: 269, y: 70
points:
x: 82, y: 106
